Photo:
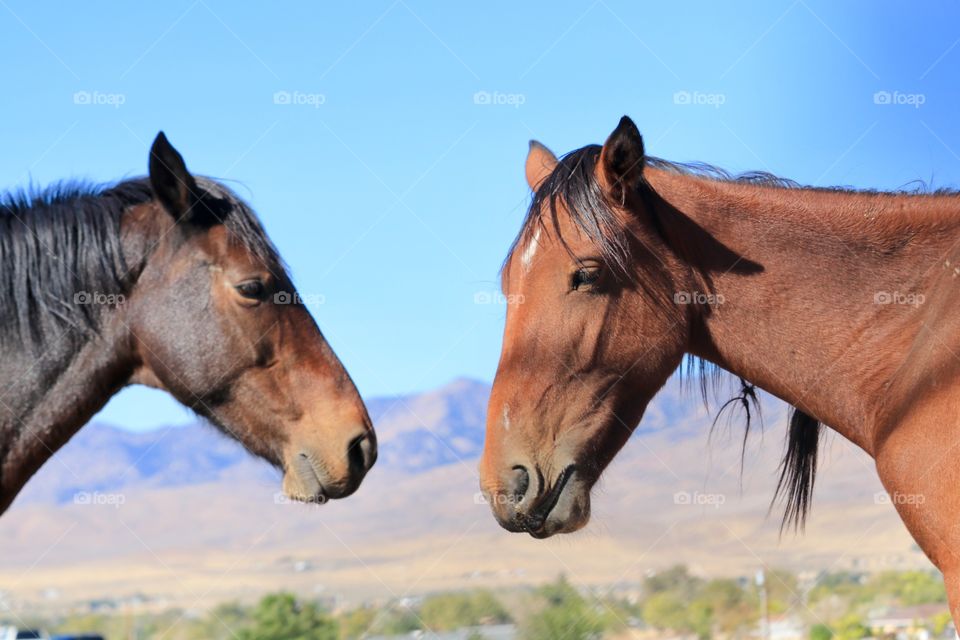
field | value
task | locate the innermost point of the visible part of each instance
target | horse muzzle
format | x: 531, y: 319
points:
x: 318, y: 474
x: 529, y: 505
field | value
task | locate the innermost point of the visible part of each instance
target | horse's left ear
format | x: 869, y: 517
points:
x: 622, y: 159
x: 172, y: 184
x: 540, y: 164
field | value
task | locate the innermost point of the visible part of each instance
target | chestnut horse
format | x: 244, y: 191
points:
x: 167, y: 281
x: 840, y: 302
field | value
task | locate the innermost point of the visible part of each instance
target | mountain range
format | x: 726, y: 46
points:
x: 415, y: 433
x: 183, y: 516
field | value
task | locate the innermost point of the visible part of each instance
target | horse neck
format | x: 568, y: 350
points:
x: 831, y: 311
x: 49, y: 393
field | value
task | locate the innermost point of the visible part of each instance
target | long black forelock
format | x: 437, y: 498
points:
x: 574, y: 184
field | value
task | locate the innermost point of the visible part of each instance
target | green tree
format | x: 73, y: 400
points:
x: 398, y: 622
x: 281, y: 616
x: 666, y: 610
x: 842, y: 584
x: 730, y: 605
x: 676, y: 579
x: 939, y: 623
x: 449, y: 611
x: 700, y: 618
x: 680, y: 602
x: 820, y: 632
x: 850, y: 627
x: 782, y: 591
x: 355, y: 623
x: 909, y: 587
x: 565, y: 615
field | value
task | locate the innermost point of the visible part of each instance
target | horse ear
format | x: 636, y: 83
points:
x: 622, y: 159
x: 540, y: 163
x: 172, y: 184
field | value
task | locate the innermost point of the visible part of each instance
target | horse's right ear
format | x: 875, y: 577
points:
x: 622, y: 158
x: 540, y: 163
x: 172, y: 184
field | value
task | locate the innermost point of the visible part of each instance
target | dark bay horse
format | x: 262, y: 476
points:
x: 167, y: 281
x: 840, y: 302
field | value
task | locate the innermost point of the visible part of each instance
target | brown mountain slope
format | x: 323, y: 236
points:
x: 220, y: 529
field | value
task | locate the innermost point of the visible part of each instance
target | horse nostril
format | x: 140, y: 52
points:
x: 519, y: 484
x: 362, y: 453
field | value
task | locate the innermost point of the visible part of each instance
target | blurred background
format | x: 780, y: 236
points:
x: 382, y: 144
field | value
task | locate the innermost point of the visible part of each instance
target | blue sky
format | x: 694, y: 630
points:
x: 382, y: 142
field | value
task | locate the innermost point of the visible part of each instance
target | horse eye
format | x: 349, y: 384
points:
x: 584, y: 277
x: 253, y: 289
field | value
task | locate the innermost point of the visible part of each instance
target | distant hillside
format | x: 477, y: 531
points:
x: 420, y: 432
x: 105, y: 458
x: 416, y: 433
x: 191, y: 519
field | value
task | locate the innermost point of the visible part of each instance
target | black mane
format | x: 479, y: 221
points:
x: 574, y: 182
x: 62, y: 242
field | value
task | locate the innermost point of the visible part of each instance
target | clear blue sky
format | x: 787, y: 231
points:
x: 393, y: 190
